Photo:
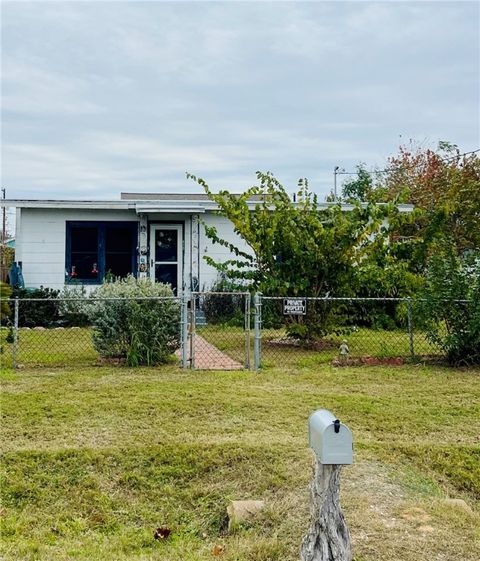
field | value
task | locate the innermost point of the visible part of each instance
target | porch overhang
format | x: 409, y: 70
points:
x: 170, y: 207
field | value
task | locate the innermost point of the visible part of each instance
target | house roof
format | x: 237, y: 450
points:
x: 174, y: 197
x: 149, y: 203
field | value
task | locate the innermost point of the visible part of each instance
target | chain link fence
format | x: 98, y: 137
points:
x: 90, y: 331
x: 342, y: 331
x: 217, y: 331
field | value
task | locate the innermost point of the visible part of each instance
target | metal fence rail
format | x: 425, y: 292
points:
x: 225, y: 331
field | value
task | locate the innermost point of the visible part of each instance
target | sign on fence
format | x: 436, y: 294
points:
x: 294, y: 306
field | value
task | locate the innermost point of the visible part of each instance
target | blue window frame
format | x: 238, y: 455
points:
x: 95, y: 249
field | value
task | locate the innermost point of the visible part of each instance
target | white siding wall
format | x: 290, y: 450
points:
x: 40, y: 241
x: 208, y: 274
x: 41, y: 236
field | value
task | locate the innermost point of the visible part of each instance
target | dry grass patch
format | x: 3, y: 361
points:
x: 96, y: 459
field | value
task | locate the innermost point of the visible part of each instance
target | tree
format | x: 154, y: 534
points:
x: 358, y: 188
x: 296, y: 248
x: 445, y: 187
x: 450, y: 305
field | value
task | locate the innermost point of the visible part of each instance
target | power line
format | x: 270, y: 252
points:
x: 460, y: 155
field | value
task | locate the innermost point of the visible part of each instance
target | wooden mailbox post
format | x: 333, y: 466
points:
x: 328, y: 538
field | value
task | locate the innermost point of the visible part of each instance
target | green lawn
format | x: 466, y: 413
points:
x: 50, y: 347
x: 95, y: 459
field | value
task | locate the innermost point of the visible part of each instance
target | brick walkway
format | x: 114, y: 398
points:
x: 208, y: 357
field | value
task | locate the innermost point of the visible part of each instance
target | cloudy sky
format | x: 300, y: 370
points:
x: 100, y: 97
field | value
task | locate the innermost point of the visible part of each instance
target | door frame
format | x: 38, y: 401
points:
x: 179, y: 229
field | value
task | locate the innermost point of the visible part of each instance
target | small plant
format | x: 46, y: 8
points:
x: 10, y: 337
x: 138, y: 324
x: 450, y: 306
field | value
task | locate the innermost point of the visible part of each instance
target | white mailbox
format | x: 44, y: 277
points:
x: 330, y: 439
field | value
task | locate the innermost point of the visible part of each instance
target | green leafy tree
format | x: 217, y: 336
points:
x: 358, y: 188
x: 450, y: 305
x: 5, y: 311
x: 297, y: 248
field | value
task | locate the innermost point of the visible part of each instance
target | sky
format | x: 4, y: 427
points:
x: 104, y: 97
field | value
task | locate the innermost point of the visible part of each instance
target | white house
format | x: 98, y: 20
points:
x: 157, y: 235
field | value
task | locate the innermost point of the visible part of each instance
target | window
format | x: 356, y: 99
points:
x: 97, y: 249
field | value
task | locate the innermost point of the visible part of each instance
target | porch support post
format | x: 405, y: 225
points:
x: 143, y: 247
x: 195, y: 253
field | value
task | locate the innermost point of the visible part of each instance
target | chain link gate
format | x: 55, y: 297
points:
x: 216, y: 331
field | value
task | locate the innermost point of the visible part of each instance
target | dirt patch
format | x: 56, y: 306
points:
x: 370, y: 361
x: 111, y: 361
x: 387, y: 522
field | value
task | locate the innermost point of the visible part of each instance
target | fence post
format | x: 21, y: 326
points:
x: 184, y: 316
x: 247, y: 330
x: 410, y: 326
x: 193, y: 310
x: 257, y: 343
x: 15, y: 333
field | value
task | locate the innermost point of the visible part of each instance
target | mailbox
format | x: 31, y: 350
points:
x: 330, y: 439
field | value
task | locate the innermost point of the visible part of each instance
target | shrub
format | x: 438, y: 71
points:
x: 272, y: 314
x: 43, y: 313
x: 224, y: 308
x: 322, y: 318
x: 74, y: 306
x: 5, y: 310
x: 141, y: 332
x: 450, y: 306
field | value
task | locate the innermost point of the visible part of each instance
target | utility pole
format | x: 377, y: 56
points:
x: 4, y: 219
x: 335, y: 171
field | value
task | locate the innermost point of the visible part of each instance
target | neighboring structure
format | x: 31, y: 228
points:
x: 160, y: 236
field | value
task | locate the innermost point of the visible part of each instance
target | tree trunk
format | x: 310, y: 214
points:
x: 328, y: 538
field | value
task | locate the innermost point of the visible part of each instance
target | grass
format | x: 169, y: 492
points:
x: 61, y: 347
x: 50, y: 347
x: 95, y: 459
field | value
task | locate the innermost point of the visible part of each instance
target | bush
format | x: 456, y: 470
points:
x: 74, y: 307
x: 272, y: 314
x: 43, y: 313
x: 322, y: 318
x: 141, y: 332
x: 224, y: 308
x: 450, y: 306
x: 5, y: 310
